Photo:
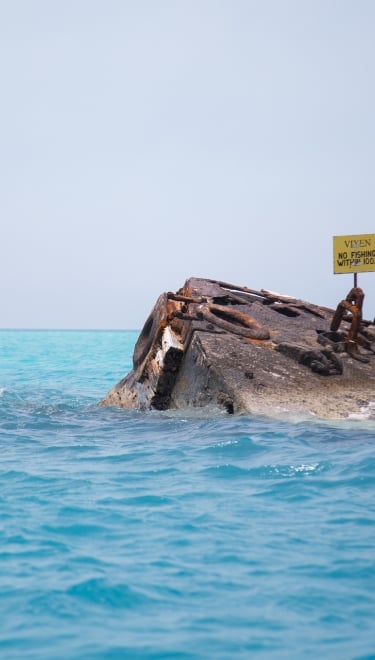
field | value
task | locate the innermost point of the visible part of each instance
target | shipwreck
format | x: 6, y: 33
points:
x: 246, y: 351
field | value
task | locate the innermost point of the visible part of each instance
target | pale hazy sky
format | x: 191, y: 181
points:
x: 146, y: 141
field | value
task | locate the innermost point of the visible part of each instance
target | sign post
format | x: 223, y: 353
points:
x: 354, y: 254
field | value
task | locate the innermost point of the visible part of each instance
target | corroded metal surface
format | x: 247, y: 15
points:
x: 351, y: 310
x: 243, y: 350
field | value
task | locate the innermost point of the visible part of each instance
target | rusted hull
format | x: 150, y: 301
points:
x: 246, y: 351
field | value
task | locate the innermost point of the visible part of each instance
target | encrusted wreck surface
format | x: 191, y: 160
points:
x: 246, y: 351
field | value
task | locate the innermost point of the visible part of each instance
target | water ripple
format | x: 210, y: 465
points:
x: 169, y: 535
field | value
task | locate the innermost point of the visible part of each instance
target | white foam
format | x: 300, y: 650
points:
x: 366, y: 412
x: 305, y: 468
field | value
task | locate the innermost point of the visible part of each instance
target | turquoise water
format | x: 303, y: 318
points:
x: 159, y: 535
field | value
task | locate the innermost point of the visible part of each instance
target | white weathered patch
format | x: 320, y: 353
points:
x: 280, y: 296
x: 169, y: 340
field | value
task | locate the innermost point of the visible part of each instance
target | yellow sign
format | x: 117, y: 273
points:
x: 354, y: 254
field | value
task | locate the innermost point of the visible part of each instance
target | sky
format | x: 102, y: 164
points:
x: 143, y: 142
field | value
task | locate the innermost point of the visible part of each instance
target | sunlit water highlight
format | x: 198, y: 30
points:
x: 133, y: 535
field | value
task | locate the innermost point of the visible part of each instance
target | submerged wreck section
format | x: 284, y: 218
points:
x: 217, y: 344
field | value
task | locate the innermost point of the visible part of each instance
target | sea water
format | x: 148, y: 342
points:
x: 159, y: 535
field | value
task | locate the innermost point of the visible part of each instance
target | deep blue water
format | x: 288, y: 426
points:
x: 159, y: 535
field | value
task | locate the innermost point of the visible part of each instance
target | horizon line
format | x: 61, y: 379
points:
x: 10, y: 329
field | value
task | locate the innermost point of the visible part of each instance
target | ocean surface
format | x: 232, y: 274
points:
x: 174, y: 535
